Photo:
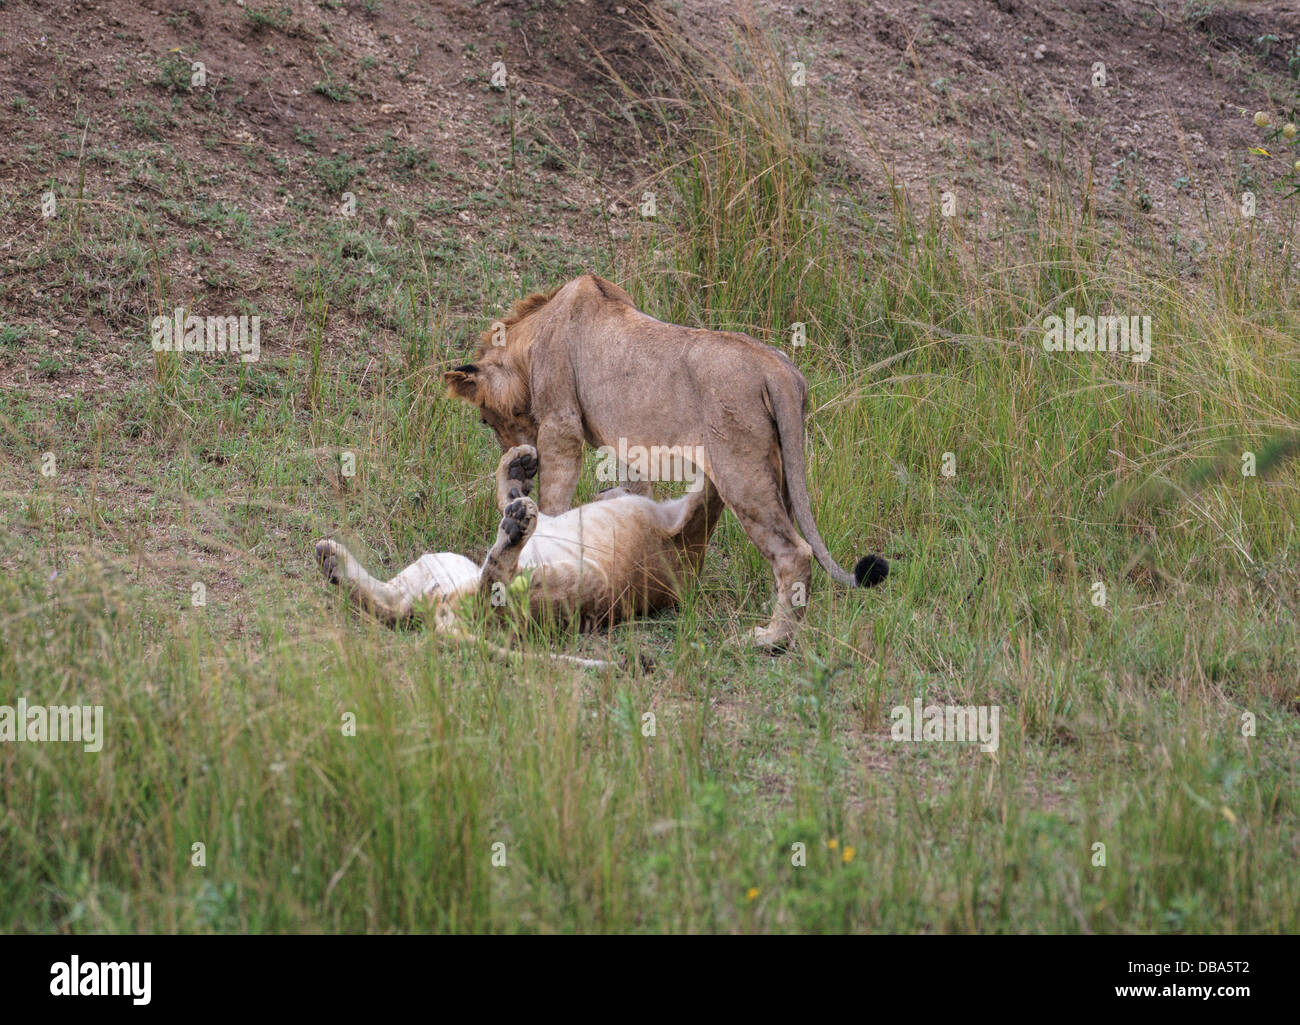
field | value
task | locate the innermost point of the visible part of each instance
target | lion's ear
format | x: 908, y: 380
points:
x: 463, y: 382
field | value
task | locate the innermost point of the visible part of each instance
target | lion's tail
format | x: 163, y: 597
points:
x: 464, y: 637
x: 789, y: 397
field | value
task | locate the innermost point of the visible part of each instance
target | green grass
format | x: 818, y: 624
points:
x: 1120, y: 724
x: 276, y: 18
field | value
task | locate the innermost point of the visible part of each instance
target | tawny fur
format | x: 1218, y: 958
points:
x: 583, y: 364
x: 620, y: 556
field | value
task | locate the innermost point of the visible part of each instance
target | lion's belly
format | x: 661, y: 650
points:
x: 444, y: 572
x: 599, y: 534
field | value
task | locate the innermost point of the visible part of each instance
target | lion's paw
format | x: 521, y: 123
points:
x: 330, y: 557
x: 771, y: 641
x: 519, y: 521
x: 521, y: 467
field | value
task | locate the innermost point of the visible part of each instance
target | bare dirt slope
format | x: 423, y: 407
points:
x: 302, y: 102
x: 218, y: 192
x: 980, y: 96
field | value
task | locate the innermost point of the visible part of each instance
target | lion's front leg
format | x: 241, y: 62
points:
x: 559, y: 451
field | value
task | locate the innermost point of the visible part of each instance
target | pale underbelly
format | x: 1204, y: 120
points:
x: 587, y: 536
x: 445, y: 572
x: 557, y: 552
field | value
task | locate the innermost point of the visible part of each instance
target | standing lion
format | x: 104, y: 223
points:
x: 584, y: 364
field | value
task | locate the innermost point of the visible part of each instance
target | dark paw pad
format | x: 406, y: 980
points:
x: 523, y: 468
x: 517, y: 520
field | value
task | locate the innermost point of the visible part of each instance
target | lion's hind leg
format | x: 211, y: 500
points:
x: 756, y: 502
x: 441, y: 576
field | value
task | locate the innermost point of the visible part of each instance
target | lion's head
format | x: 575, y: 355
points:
x: 497, y: 381
x: 501, y: 395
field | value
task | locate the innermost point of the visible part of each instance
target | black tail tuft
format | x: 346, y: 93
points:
x: 870, y: 570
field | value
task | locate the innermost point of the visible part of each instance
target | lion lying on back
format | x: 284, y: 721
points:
x: 584, y: 364
x: 619, y: 556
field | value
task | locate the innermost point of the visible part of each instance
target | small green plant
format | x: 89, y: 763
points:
x: 337, y: 173
x: 11, y: 335
x: 173, y: 73
x: 268, y: 17
x: 334, y: 89
x: 1197, y: 11
x: 1265, y: 44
